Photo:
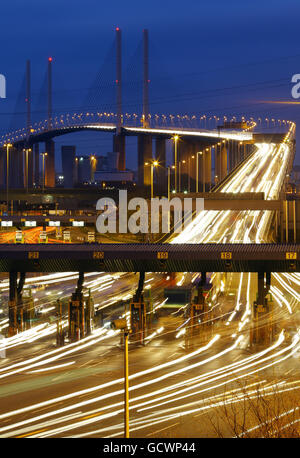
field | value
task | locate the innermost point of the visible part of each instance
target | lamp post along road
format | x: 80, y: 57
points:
x: 126, y: 382
x: 152, y: 165
x: 175, y: 138
x: 43, y: 155
x: 8, y: 145
x: 121, y: 324
x: 197, y: 170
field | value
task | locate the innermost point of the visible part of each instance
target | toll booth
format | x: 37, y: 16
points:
x: 80, y: 312
x: 28, y: 307
x: 177, y: 296
x: 19, y: 237
x: 263, y: 328
x: 43, y: 238
x: 198, y: 313
x: 91, y: 238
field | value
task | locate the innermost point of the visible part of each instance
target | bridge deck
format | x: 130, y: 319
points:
x: 150, y: 257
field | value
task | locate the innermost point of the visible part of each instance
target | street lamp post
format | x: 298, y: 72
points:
x: 43, y: 155
x: 180, y: 162
x: 203, y: 172
x: 189, y: 173
x: 26, y: 166
x: 8, y: 145
x: 169, y: 180
x: 152, y: 165
x: 197, y: 171
x: 175, y: 138
x: 122, y: 325
x: 93, y: 167
x: 126, y: 382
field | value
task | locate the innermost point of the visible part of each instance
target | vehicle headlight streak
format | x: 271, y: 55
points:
x: 258, y: 174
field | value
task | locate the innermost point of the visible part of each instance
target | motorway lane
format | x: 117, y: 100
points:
x: 250, y: 224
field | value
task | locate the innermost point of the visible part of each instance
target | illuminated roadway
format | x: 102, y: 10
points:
x: 172, y: 390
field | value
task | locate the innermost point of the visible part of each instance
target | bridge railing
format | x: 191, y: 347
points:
x: 205, y: 123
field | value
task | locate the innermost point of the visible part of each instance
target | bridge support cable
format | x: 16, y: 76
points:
x: 145, y: 78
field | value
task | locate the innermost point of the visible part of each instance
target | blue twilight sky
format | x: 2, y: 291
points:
x: 217, y: 57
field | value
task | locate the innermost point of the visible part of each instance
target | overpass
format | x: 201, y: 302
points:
x: 163, y: 257
x: 228, y: 144
x: 229, y: 147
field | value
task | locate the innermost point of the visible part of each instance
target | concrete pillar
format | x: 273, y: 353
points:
x: 119, y: 147
x: 160, y: 156
x: 223, y: 168
x: 144, y: 156
x: 50, y: 164
x: 36, y: 164
x: 186, y: 151
x: 241, y: 151
x: 236, y: 153
x: 217, y: 176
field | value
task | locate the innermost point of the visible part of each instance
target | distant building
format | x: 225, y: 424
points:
x: 84, y: 169
x: 113, y: 177
x: 112, y: 161
x: 295, y: 175
x: 68, y: 165
x: 96, y: 169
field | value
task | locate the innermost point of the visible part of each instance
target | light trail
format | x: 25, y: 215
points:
x: 264, y: 172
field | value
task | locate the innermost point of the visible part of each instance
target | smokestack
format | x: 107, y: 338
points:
x: 119, y: 78
x: 146, y: 79
x: 28, y: 98
x: 49, y: 92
